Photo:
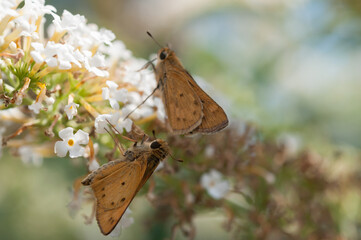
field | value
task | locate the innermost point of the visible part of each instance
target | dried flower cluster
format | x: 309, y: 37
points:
x: 62, y: 89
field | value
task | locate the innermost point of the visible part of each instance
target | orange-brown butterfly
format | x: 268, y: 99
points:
x: 189, y: 109
x: 116, y: 183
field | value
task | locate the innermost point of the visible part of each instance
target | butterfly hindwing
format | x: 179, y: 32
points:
x: 214, y: 117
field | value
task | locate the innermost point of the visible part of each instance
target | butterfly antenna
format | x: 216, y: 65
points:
x: 155, y: 89
x: 150, y: 35
x: 178, y: 160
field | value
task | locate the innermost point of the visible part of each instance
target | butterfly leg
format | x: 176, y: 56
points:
x: 155, y: 89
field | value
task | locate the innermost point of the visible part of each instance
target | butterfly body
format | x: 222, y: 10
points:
x: 189, y: 109
x: 116, y: 183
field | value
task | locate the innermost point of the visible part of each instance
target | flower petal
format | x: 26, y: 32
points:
x: 112, y: 85
x: 76, y: 151
x: 81, y: 137
x: 66, y: 133
x: 61, y: 148
x: 114, y: 103
x: 127, y: 124
x: 105, y: 93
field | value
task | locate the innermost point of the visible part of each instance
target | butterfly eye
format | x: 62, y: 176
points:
x: 155, y: 145
x: 162, y: 55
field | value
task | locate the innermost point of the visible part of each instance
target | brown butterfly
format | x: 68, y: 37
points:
x: 116, y: 183
x: 189, y: 109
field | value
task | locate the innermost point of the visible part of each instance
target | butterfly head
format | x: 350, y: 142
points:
x: 164, y: 53
x: 159, y: 148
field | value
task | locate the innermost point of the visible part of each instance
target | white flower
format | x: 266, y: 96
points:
x: 214, y: 184
x: 68, y: 21
x: 102, y: 122
x: 291, y: 143
x: 159, y: 167
x: 144, y: 110
x: 71, y: 110
x: 30, y: 13
x: 71, y: 142
x: 115, y: 52
x: 87, y: 152
x: 124, y: 222
x: 29, y: 156
x: 160, y: 109
x: 93, y: 165
x: 56, y: 55
x: 8, y: 8
x: 95, y: 63
x: 36, y: 106
x: 49, y: 100
x: 209, y: 151
x: 114, y: 95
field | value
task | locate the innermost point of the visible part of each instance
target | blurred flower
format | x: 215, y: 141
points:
x: 71, y: 110
x: 93, y: 165
x: 209, y: 151
x: 75, y: 204
x: 159, y: 167
x: 114, y: 95
x: 102, y: 123
x: 160, y: 109
x: 8, y: 8
x: 30, y: 156
x: 2, y: 130
x: 95, y: 63
x: 214, y: 184
x: 88, y: 152
x: 36, y: 106
x: 291, y: 143
x: 20, y: 94
x: 71, y: 142
x: 124, y: 222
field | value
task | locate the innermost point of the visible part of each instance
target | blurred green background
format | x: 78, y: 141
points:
x: 289, y: 66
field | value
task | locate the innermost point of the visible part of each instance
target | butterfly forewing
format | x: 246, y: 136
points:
x: 115, y: 191
x: 214, y: 117
x: 178, y: 97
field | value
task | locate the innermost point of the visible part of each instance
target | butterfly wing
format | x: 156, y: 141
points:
x: 114, y: 188
x: 152, y: 163
x: 214, y: 117
x: 182, y: 104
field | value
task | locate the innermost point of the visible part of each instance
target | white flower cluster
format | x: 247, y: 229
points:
x: 87, y: 53
x: 75, y: 45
